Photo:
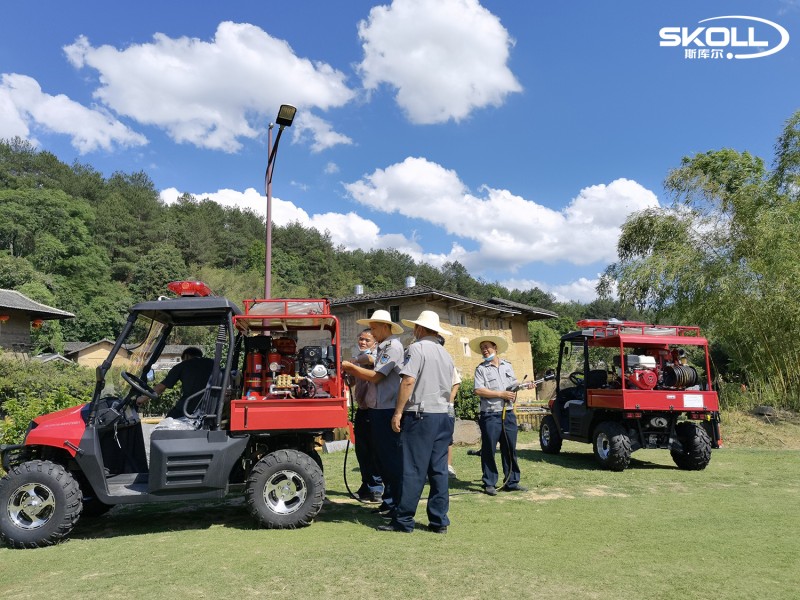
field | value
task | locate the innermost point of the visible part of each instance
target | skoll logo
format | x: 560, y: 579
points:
x: 740, y: 41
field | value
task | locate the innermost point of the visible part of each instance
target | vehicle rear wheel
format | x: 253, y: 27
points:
x: 285, y: 490
x: 40, y: 502
x: 696, y: 447
x: 549, y: 436
x: 612, y: 446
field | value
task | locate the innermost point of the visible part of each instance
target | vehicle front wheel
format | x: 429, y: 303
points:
x: 612, y: 446
x: 285, y: 490
x: 549, y: 436
x: 40, y: 502
x: 695, y: 452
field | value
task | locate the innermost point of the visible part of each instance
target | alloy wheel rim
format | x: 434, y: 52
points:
x: 31, y: 506
x: 285, y: 492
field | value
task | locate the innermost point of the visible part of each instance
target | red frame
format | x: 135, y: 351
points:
x: 628, y: 334
x: 278, y: 412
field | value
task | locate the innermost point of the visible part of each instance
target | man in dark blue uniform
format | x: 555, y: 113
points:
x: 422, y: 420
x: 365, y: 396
x: 386, y: 377
x: 497, y: 420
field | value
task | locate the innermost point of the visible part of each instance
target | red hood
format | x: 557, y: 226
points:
x: 57, y: 428
x: 66, y: 414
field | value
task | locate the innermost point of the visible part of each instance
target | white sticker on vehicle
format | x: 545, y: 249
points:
x: 693, y: 401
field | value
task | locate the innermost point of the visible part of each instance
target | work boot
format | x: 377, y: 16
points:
x: 514, y: 488
x: 490, y: 490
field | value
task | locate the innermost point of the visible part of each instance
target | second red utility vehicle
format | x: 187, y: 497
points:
x: 624, y: 385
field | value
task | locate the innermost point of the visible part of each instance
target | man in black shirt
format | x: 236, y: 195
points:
x: 193, y: 372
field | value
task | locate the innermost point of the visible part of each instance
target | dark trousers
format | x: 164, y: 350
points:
x: 424, y: 442
x: 389, y: 458
x: 492, y: 426
x: 365, y: 454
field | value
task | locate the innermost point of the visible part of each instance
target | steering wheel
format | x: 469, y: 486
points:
x: 139, y: 385
x: 576, y: 377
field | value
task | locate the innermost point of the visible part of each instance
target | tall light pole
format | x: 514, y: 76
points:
x: 285, y: 117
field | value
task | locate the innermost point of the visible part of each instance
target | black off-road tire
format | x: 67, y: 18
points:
x: 40, y: 502
x: 696, y: 443
x: 285, y: 490
x: 549, y: 436
x: 612, y: 446
x: 318, y: 459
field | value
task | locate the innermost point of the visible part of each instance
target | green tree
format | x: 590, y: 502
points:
x: 725, y: 256
x: 157, y: 268
x: 545, y: 343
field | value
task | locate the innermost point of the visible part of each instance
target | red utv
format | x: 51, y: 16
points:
x: 275, y: 390
x: 623, y: 386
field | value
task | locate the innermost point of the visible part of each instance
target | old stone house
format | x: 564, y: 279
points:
x: 465, y: 317
x: 18, y: 314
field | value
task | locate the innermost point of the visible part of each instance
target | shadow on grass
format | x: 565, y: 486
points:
x: 133, y: 520
x: 127, y: 520
x: 341, y: 507
x: 582, y: 461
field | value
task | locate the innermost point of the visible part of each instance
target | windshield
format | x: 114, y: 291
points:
x: 135, y: 353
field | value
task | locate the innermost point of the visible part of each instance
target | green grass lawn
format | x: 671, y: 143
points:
x: 652, y: 531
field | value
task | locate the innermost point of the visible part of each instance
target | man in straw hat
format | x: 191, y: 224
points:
x: 386, y: 377
x: 421, y: 418
x: 497, y: 420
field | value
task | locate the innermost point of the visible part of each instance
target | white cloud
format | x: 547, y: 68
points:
x: 24, y: 106
x: 331, y: 168
x: 213, y: 93
x: 445, y: 58
x: 510, y: 231
x: 321, y: 133
x: 580, y: 290
x: 348, y: 230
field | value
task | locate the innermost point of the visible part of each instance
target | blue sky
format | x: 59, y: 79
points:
x: 513, y: 136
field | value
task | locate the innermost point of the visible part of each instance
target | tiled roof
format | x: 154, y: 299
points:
x: 175, y: 349
x: 523, y: 307
x: 511, y: 308
x: 50, y: 357
x: 14, y: 300
x: 72, y: 347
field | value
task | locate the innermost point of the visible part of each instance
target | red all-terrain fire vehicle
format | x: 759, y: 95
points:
x: 275, y: 389
x: 624, y: 385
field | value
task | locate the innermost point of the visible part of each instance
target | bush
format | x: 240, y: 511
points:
x: 733, y: 395
x: 29, y: 389
x: 467, y: 402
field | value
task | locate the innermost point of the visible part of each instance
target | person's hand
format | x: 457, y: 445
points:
x: 396, y: 422
x: 510, y: 396
x: 141, y: 401
x: 348, y: 366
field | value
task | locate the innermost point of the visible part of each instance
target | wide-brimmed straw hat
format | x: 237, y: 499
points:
x: 429, y: 320
x: 382, y: 316
x: 501, y: 343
